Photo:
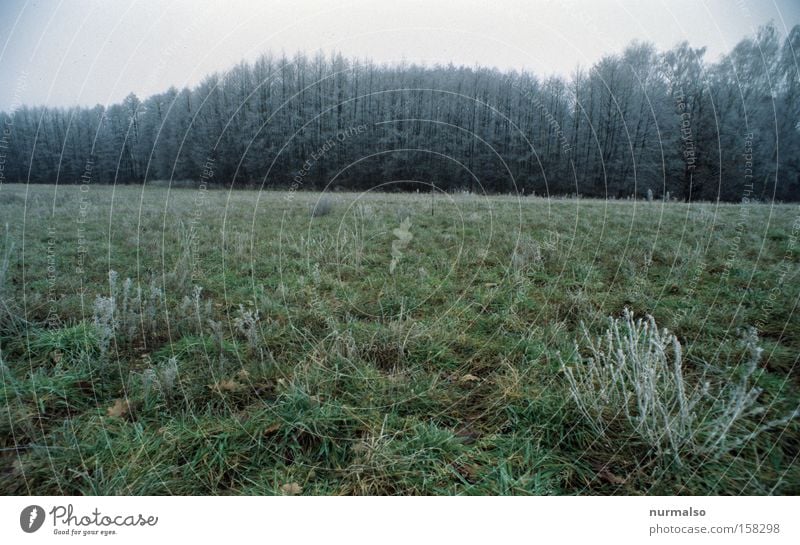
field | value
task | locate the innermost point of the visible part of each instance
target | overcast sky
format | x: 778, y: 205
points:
x: 91, y: 51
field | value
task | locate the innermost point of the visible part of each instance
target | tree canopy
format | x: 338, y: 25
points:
x: 668, y: 122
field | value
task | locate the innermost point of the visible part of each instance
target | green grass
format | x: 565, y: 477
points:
x: 304, y: 360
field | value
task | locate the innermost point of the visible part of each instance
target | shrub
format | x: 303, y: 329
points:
x: 634, y: 377
x: 322, y: 207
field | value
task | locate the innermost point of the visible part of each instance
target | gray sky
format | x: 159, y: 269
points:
x: 91, y: 51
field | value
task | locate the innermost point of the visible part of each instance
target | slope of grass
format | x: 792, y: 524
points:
x: 257, y: 346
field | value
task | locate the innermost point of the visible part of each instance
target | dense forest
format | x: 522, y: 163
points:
x: 641, y: 120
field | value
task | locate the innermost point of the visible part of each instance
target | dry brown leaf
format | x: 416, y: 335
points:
x: 292, y: 489
x: 607, y: 476
x: 468, y: 471
x: 229, y: 385
x: 17, y: 468
x: 272, y: 429
x: 468, y: 434
x: 120, y: 408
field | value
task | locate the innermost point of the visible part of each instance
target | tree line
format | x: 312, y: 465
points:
x: 637, y: 122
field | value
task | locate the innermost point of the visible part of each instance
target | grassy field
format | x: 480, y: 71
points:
x: 210, y: 342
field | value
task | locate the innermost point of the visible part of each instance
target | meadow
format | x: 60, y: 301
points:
x: 193, y: 341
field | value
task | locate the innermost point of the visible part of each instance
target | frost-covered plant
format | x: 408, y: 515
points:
x: 737, y: 400
x: 402, y: 212
x: 246, y: 323
x: 193, y: 311
x: 148, y: 381
x: 316, y: 274
x: 217, y: 334
x: 157, y: 381
x: 526, y: 255
x: 167, y: 373
x: 351, y: 242
x: 155, y: 296
x: 178, y: 277
x: 127, y: 312
x: 104, y: 321
x: 127, y: 307
x: 5, y: 372
x: 551, y: 247
x: 130, y: 319
x: 112, y: 281
x: 240, y: 242
x: 365, y: 211
x: 633, y: 375
x: 104, y: 315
